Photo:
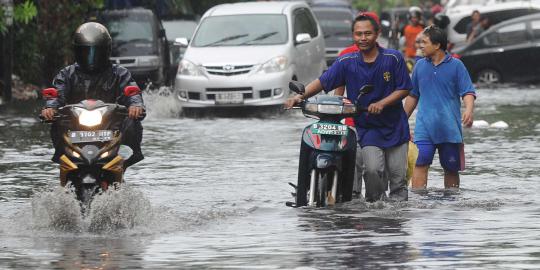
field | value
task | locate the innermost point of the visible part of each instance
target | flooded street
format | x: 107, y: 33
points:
x: 211, y: 194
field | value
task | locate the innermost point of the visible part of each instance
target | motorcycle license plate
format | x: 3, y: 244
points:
x: 229, y: 98
x: 90, y: 136
x: 329, y: 129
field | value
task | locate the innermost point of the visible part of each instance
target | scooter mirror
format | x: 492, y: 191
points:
x: 131, y: 90
x: 297, y: 87
x: 49, y: 93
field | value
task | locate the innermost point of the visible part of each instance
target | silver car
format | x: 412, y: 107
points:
x: 245, y: 54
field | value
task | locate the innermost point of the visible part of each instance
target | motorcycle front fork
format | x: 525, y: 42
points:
x: 316, y: 176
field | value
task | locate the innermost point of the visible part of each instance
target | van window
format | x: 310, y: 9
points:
x: 495, y: 17
x: 240, y: 30
x: 305, y: 23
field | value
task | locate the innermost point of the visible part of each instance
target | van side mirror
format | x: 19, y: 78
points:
x: 49, y: 93
x: 131, y: 90
x: 182, y: 42
x: 162, y: 33
x: 302, y: 38
x: 297, y: 87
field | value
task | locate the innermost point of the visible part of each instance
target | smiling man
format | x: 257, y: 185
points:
x: 383, y: 132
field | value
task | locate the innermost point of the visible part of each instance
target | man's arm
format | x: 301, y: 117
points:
x: 468, y: 115
x: 396, y: 96
x: 410, y: 105
x: 312, y: 89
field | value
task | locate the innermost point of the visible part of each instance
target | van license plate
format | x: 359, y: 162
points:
x: 90, y: 136
x: 329, y: 129
x: 229, y: 98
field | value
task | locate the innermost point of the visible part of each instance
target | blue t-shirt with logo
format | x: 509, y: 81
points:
x: 439, y: 90
x: 387, y: 74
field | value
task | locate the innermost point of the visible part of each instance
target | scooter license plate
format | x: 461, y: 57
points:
x: 329, y: 129
x: 229, y: 98
x: 90, y: 136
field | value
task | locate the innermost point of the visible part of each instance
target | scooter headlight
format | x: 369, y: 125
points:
x: 90, y: 118
x: 330, y: 109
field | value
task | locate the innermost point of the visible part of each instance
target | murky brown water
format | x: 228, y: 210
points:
x: 211, y: 195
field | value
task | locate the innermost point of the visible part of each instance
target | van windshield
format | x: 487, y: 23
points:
x: 241, y: 30
x: 131, y: 36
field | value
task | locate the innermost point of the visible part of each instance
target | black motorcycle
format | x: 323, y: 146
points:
x: 328, y: 150
x: 91, y: 134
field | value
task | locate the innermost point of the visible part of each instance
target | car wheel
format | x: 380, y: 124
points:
x: 488, y: 76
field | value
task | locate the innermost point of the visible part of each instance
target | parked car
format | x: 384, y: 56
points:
x: 245, y: 54
x: 139, y: 44
x: 178, y: 28
x: 460, y: 16
x: 507, y: 52
x: 336, y: 26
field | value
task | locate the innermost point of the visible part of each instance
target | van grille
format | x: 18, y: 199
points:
x: 228, y: 70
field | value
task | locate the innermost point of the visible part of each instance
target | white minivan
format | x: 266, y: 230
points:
x: 245, y: 54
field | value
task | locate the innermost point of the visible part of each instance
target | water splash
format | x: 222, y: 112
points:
x: 161, y: 103
x: 57, y: 209
x: 114, y: 210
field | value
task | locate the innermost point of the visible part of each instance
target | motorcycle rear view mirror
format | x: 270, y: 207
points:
x: 49, y: 93
x: 297, y: 87
x: 131, y: 90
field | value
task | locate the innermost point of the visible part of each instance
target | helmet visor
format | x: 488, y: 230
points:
x: 92, y: 58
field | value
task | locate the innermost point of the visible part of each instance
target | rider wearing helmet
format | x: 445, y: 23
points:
x: 92, y: 76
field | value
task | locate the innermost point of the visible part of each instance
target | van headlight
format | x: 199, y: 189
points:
x: 90, y: 118
x: 275, y: 64
x: 188, y: 68
x: 151, y: 61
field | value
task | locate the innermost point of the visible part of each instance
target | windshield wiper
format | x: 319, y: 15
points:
x: 229, y: 38
x: 260, y: 37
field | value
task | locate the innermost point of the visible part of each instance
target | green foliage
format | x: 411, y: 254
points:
x: 25, y: 12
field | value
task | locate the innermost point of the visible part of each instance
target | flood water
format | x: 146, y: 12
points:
x: 211, y: 194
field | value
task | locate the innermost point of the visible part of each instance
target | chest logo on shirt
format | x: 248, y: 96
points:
x: 387, y: 76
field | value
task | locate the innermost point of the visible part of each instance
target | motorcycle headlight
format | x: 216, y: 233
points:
x: 90, y: 118
x: 188, y: 68
x: 275, y: 64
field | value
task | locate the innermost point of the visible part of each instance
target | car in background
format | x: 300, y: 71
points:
x: 336, y: 25
x: 139, y: 44
x: 178, y: 28
x: 460, y: 16
x: 507, y: 52
x: 245, y: 54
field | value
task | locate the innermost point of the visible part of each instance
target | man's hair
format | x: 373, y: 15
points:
x: 436, y: 36
x: 366, y: 17
x: 475, y: 11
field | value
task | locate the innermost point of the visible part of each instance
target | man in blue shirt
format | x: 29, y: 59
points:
x: 439, y: 82
x: 383, y: 132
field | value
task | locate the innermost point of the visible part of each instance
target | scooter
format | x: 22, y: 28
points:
x: 92, y: 133
x: 328, y: 150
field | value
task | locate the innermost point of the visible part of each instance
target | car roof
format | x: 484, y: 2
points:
x: 502, y: 24
x: 253, y: 8
x: 467, y: 10
x: 135, y: 11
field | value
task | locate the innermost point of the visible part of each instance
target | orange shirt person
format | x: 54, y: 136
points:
x: 410, y: 32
